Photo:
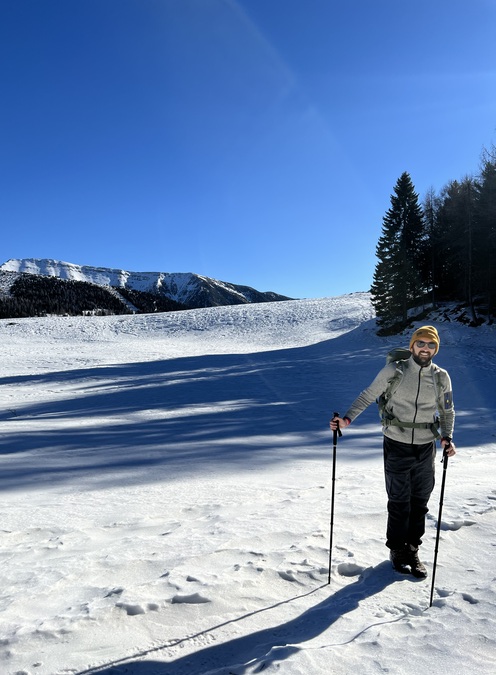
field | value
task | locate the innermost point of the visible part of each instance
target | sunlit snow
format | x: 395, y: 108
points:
x: 165, y: 499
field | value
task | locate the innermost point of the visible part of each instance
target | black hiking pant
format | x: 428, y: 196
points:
x: 409, y: 472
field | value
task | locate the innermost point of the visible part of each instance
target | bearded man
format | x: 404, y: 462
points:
x: 418, y: 409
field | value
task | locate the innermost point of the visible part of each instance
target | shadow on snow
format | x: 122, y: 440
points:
x: 269, y: 645
x: 154, y: 420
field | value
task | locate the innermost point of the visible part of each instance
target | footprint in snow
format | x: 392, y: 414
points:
x: 470, y: 598
x: 350, y: 569
x: 193, y: 599
x: 134, y: 610
x: 457, y: 524
x: 131, y: 610
x: 443, y: 593
x: 288, y: 576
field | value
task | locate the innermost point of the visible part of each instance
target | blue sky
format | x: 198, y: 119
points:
x: 253, y: 141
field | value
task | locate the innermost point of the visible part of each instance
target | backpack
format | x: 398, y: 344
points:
x: 399, y: 356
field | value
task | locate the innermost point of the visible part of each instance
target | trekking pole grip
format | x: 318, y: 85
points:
x: 338, y: 430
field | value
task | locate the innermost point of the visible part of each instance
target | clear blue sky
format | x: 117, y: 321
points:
x: 253, y: 141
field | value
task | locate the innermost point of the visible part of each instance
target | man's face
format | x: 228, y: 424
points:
x: 423, y: 352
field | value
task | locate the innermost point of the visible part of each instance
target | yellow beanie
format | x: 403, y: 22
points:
x: 428, y: 334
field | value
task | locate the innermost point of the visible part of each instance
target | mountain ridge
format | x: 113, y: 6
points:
x: 187, y: 288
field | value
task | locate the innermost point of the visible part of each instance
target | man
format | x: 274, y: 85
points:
x: 415, y: 389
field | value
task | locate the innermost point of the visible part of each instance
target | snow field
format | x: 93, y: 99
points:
x: 165, y: 499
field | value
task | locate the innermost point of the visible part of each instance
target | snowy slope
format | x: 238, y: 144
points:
x: 6, y: 281
x: 165, y: 499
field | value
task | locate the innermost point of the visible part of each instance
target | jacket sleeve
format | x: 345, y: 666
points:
x: 447, y: 413
x: 372, y: 392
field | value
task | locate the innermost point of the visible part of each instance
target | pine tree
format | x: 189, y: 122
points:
x: 400, y: 276
x: 433, y: 252
x: 485, y: 232
x: 456, y: 239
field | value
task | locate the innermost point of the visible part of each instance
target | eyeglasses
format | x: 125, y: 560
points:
x: 421, y: 343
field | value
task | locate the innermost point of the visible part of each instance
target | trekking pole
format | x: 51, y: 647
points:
x: 445, y: 467
x: 334, y: 446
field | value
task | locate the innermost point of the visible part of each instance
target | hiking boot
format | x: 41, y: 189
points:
x: 400, y: 560
x: 418, y: 568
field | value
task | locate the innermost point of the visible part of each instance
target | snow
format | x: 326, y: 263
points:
x: 165, y: 500
x: 6, y: 281
x: 179, y: 286
x: 102, y: 276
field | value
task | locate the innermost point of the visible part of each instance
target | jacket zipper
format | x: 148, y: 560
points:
x: 416, y: 404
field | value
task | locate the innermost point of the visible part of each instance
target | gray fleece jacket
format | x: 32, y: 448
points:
x: 413, y: 401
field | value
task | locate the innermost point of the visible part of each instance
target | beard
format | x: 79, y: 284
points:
x: 422, y: 361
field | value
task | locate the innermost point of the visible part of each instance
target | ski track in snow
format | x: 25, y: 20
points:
x: 165, y: 499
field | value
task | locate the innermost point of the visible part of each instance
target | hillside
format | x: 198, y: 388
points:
x: 165, y: 492
x: 23, y: 295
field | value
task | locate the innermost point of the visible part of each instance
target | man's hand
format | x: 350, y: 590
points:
x: 338, y: 423
x: 448, y: 446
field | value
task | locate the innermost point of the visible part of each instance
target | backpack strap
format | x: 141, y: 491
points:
x: 439, y: 386
x: 392, y: 386
x: 395, y: 422
x: 394, y: 383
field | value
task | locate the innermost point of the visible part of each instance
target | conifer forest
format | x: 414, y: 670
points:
x: 442, y: 250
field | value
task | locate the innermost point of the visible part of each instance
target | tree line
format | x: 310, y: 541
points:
x: 441, y: 250
x: 33, y: 295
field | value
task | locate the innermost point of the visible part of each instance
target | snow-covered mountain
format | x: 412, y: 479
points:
x: 192, y: 290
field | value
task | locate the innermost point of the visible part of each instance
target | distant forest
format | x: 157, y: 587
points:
x: 33, y: 295
x: 443, y: 250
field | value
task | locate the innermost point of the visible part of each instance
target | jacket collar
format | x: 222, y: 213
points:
x: 416, y: 367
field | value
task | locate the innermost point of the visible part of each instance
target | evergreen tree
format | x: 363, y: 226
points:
x: 456, y: 239
x: 433, y: 252
x: 485, y: 232
x: 400, y: 274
